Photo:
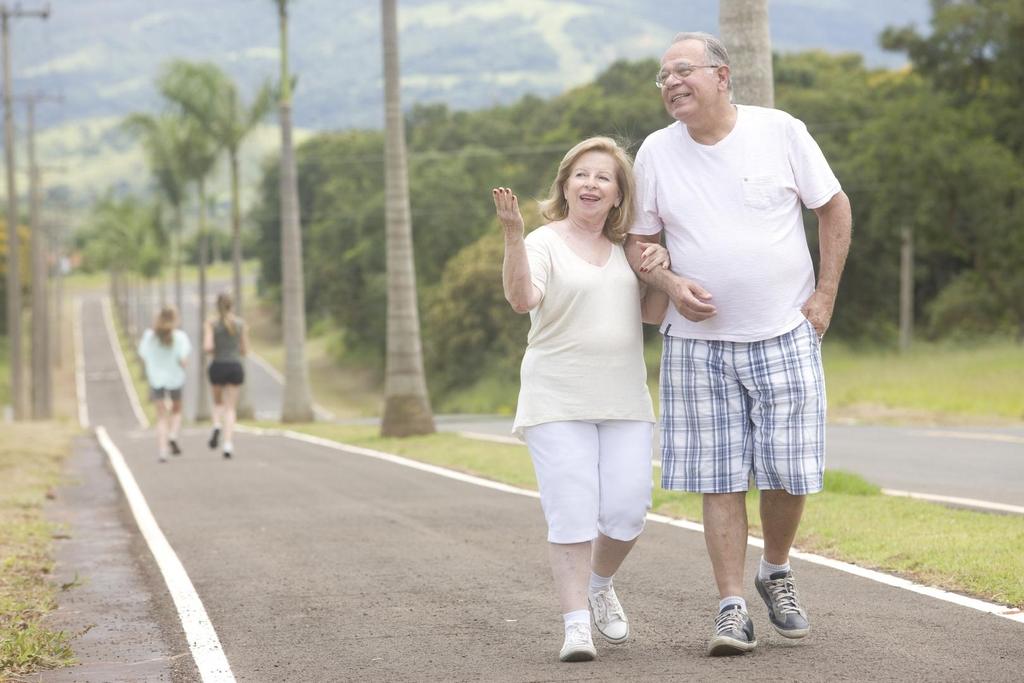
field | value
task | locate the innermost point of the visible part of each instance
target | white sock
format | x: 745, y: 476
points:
x: 767, y: 569
x: 229, y: 447
x: 732, y: 600
x: 599, y: 582
x: 580, y: 616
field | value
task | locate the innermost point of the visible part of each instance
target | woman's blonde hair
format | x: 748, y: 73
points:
x: 165, y: 323
x: 224, y: 305
x: 620, y: 218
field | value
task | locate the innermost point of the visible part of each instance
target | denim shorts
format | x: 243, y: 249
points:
x: 732, y: 410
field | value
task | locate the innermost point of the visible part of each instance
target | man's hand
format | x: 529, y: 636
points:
x: 691, y: 300
x: 818, y: 309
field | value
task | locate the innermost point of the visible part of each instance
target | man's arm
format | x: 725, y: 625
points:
x: 835, y: 224
x: 689, y: 298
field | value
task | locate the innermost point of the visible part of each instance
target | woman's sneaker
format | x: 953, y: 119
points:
x: 609, y: 616
x: 578, y: 645
x: 734, y: 633
x: 784, y: 611
x: 214, y: 438
x: 175, y: 449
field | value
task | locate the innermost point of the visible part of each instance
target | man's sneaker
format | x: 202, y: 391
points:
x: 578, y: 646
x: 175, y: 449
x: 214, y: 438
x: 734, y: 633
x: 608, y: 615
x: 784, y: 611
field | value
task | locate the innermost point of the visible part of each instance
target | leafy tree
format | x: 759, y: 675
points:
x: 208, y: 95
x: 166, y: 141
x: 975, y: 54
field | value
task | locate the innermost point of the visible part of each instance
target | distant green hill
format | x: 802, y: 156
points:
x: 102, y: 57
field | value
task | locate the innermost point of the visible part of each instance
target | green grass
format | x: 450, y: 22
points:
x: 31, y: 461
x: 933, y: 380
x: 959, y: 550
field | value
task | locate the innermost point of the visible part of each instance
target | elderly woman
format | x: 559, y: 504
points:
x: 584, y: 408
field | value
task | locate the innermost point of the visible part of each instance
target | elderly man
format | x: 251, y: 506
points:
x: 742, y: 389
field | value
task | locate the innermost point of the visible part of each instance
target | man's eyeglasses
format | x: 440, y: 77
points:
x: 680, y: 71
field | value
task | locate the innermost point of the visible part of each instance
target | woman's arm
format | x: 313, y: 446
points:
x: 243, y: 342
x: 520, y: 291
x: 654, y: 302
x: 208, y: 337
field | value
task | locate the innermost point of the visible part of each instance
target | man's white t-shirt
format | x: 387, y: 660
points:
x: 732, y: 219
x: 585, y: 352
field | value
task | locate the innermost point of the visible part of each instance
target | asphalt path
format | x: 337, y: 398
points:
x: 318, y: 564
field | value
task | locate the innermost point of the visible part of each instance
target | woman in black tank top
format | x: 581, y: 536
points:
x: 226, y: 339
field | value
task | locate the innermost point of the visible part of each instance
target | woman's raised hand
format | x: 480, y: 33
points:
x: 507, y: 206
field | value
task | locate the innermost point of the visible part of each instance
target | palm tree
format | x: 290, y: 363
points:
x: 297, y: 404
x: 208, y: 96
x: 165, y: 140
x: 197, y: 165
x: 406, y: 405
x: 744, y: 28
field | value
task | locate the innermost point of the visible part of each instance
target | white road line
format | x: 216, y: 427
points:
x: 976, y: 436
x: 953, y: 500
x: 83, y: 408
x: 126, y: 377
x: 946, y: 596
x: 202, y: 639
x: 479, y: 436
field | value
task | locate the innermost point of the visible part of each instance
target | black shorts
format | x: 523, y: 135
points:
x: 160, y: 393
x: 223, y: 372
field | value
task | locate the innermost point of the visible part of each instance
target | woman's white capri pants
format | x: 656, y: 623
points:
x: 594, y: 476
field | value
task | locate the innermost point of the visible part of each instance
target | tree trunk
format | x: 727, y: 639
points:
x: 244, y: 408
x: 743, y: 26
x: 178, y: 228
x: 406, y: 404
x: 297, y: 403
x: 202, y: 393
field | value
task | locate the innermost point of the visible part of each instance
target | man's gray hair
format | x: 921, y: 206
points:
x: 715, y: 53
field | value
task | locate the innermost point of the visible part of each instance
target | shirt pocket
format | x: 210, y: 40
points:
x: 764, y: 192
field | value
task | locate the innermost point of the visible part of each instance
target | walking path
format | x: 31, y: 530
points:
x: 319, y: 563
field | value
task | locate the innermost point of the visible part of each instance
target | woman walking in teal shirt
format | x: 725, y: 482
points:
x: 164, y: 349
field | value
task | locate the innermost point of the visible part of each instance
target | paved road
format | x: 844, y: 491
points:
x: 323, y: 565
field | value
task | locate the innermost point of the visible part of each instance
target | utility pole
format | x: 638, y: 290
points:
x: 42, y: 379
x: 906, y: 288
x: 13, y: 276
